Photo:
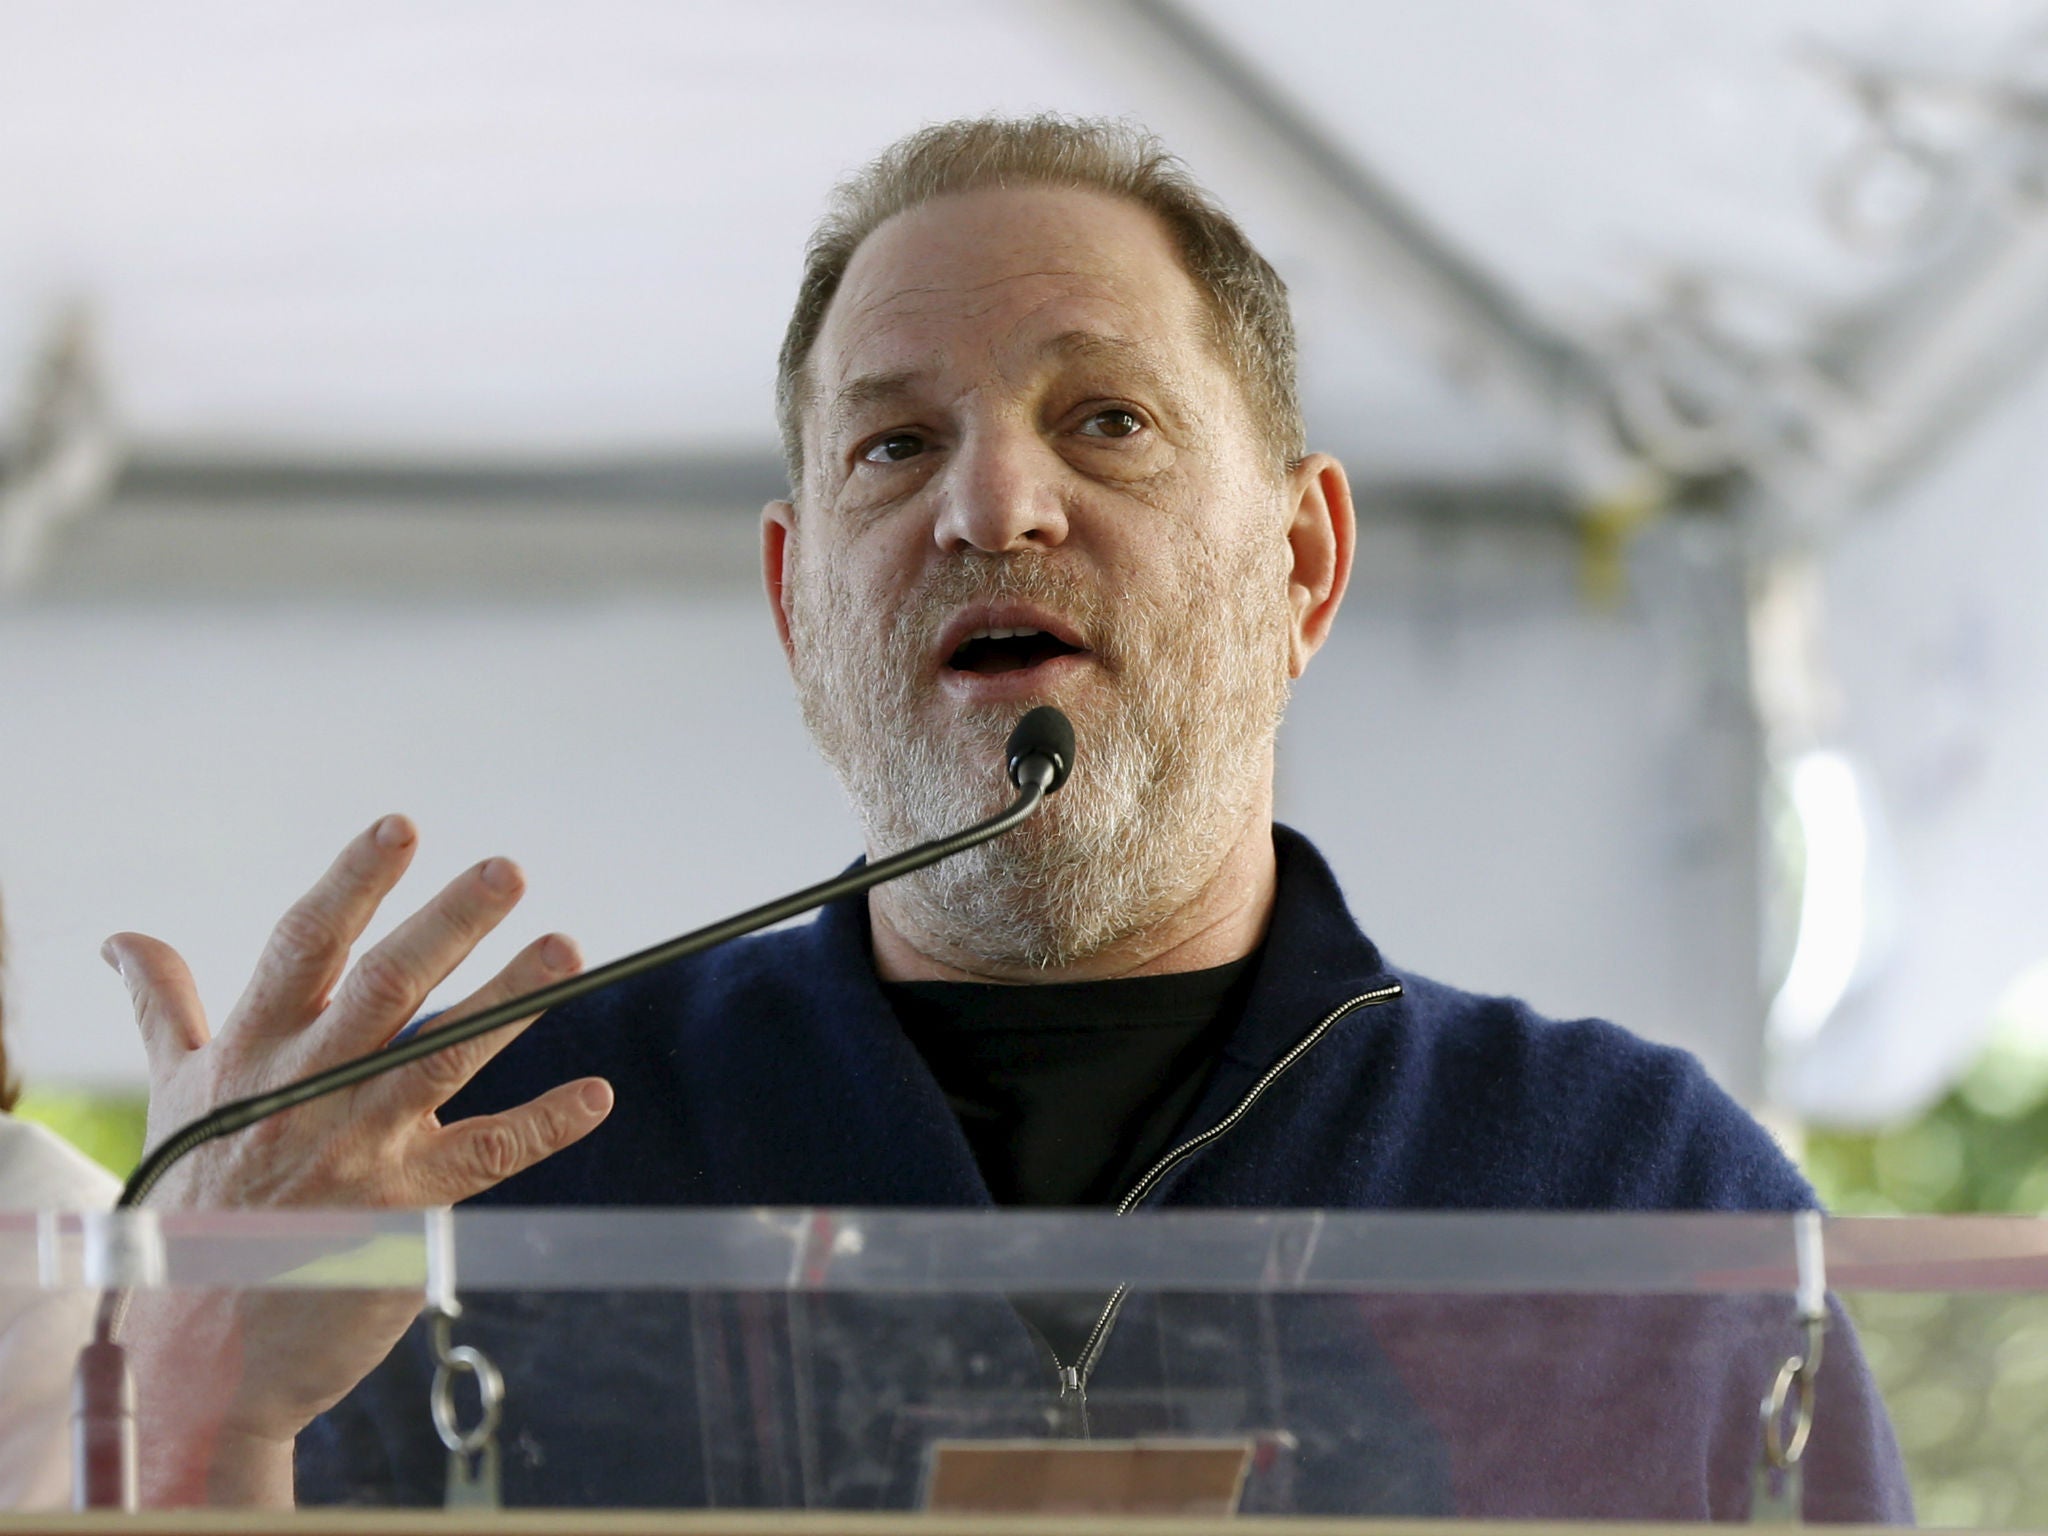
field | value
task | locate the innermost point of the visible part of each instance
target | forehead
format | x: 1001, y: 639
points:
x: 972, y: 279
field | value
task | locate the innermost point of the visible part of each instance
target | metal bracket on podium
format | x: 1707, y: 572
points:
x: 124, y: 1249
x: 472, y: 1452
x: 123, y: 1252
x: 1777, y: 1493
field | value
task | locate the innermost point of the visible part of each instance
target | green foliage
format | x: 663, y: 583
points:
x: 1983, y: 1148
x: 1964, y: 1376
x: 106, y: 1127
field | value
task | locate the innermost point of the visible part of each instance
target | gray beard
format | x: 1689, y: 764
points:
x: 1168, y: 766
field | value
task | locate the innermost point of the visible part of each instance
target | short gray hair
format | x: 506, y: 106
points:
x: 1252, y: 328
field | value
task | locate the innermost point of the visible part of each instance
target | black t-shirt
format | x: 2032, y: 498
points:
x: 1069, y: 1091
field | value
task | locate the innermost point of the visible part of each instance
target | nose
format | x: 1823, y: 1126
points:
x: 1001, y: 495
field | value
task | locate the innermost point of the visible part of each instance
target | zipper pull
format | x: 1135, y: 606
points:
x: 1070, y: 1416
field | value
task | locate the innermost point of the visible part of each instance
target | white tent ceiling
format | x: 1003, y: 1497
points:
x: 540, y: 229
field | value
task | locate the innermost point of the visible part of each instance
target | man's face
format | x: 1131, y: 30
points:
x: 1030, y: 479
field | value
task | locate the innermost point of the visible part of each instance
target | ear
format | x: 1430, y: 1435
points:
x: 778, y: 527
x: 1322, y: 535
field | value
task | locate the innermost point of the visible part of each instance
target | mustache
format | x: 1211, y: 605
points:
x: 977, y: 579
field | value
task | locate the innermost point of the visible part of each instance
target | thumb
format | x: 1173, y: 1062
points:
x: 167, y: 1006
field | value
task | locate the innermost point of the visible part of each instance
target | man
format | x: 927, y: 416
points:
x: 1038, y: 404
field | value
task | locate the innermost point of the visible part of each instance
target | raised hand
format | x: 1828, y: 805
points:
x: 380, y: 1143
x: 226, y: 1380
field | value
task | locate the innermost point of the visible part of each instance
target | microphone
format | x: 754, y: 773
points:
x: 1039, y: 755
x: 1044, y: 735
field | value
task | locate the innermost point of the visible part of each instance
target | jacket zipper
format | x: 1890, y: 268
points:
x: 1074, y: 1378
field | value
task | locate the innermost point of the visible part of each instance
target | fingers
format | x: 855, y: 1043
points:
x: 166, y: 1002
x: 430, y: 1082
x: 388, y: 982
x: 470, y: 1156
x: 310, y: 945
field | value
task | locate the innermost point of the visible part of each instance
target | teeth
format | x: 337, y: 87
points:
x: 1002, y: 634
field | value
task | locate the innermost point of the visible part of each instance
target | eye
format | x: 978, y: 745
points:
x: 1113, y: 422
x: 893, y: 448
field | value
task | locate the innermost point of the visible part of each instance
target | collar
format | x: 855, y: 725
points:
x: 1313, y: 960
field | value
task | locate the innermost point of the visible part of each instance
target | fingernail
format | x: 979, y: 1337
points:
x: 393, y: 832
x: 557, y: 953
x: 596, y: 1097
x: 113, y: 958
x: 499, y: 875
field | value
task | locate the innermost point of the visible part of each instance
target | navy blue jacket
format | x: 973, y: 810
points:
x: 772, y: 1071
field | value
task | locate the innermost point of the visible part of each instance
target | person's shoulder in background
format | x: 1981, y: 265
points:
x: 40, y: 1170
x: 41, y: 1331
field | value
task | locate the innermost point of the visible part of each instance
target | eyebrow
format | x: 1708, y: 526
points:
x: 1140, y: 358
x: 870, y: 388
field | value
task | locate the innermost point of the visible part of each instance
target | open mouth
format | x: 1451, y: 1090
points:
x: 990, y: 651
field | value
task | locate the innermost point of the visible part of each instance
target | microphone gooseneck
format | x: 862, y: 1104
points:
x: 1040, y: 755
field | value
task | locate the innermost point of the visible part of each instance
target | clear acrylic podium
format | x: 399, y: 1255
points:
x: 924, y: 1370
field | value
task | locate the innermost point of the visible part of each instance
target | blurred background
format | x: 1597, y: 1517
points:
x: 387, y: 404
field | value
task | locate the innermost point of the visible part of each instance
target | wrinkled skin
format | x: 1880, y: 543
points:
x: 1017, y: 405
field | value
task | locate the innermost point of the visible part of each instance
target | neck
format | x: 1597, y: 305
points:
x: 1224, y: 920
